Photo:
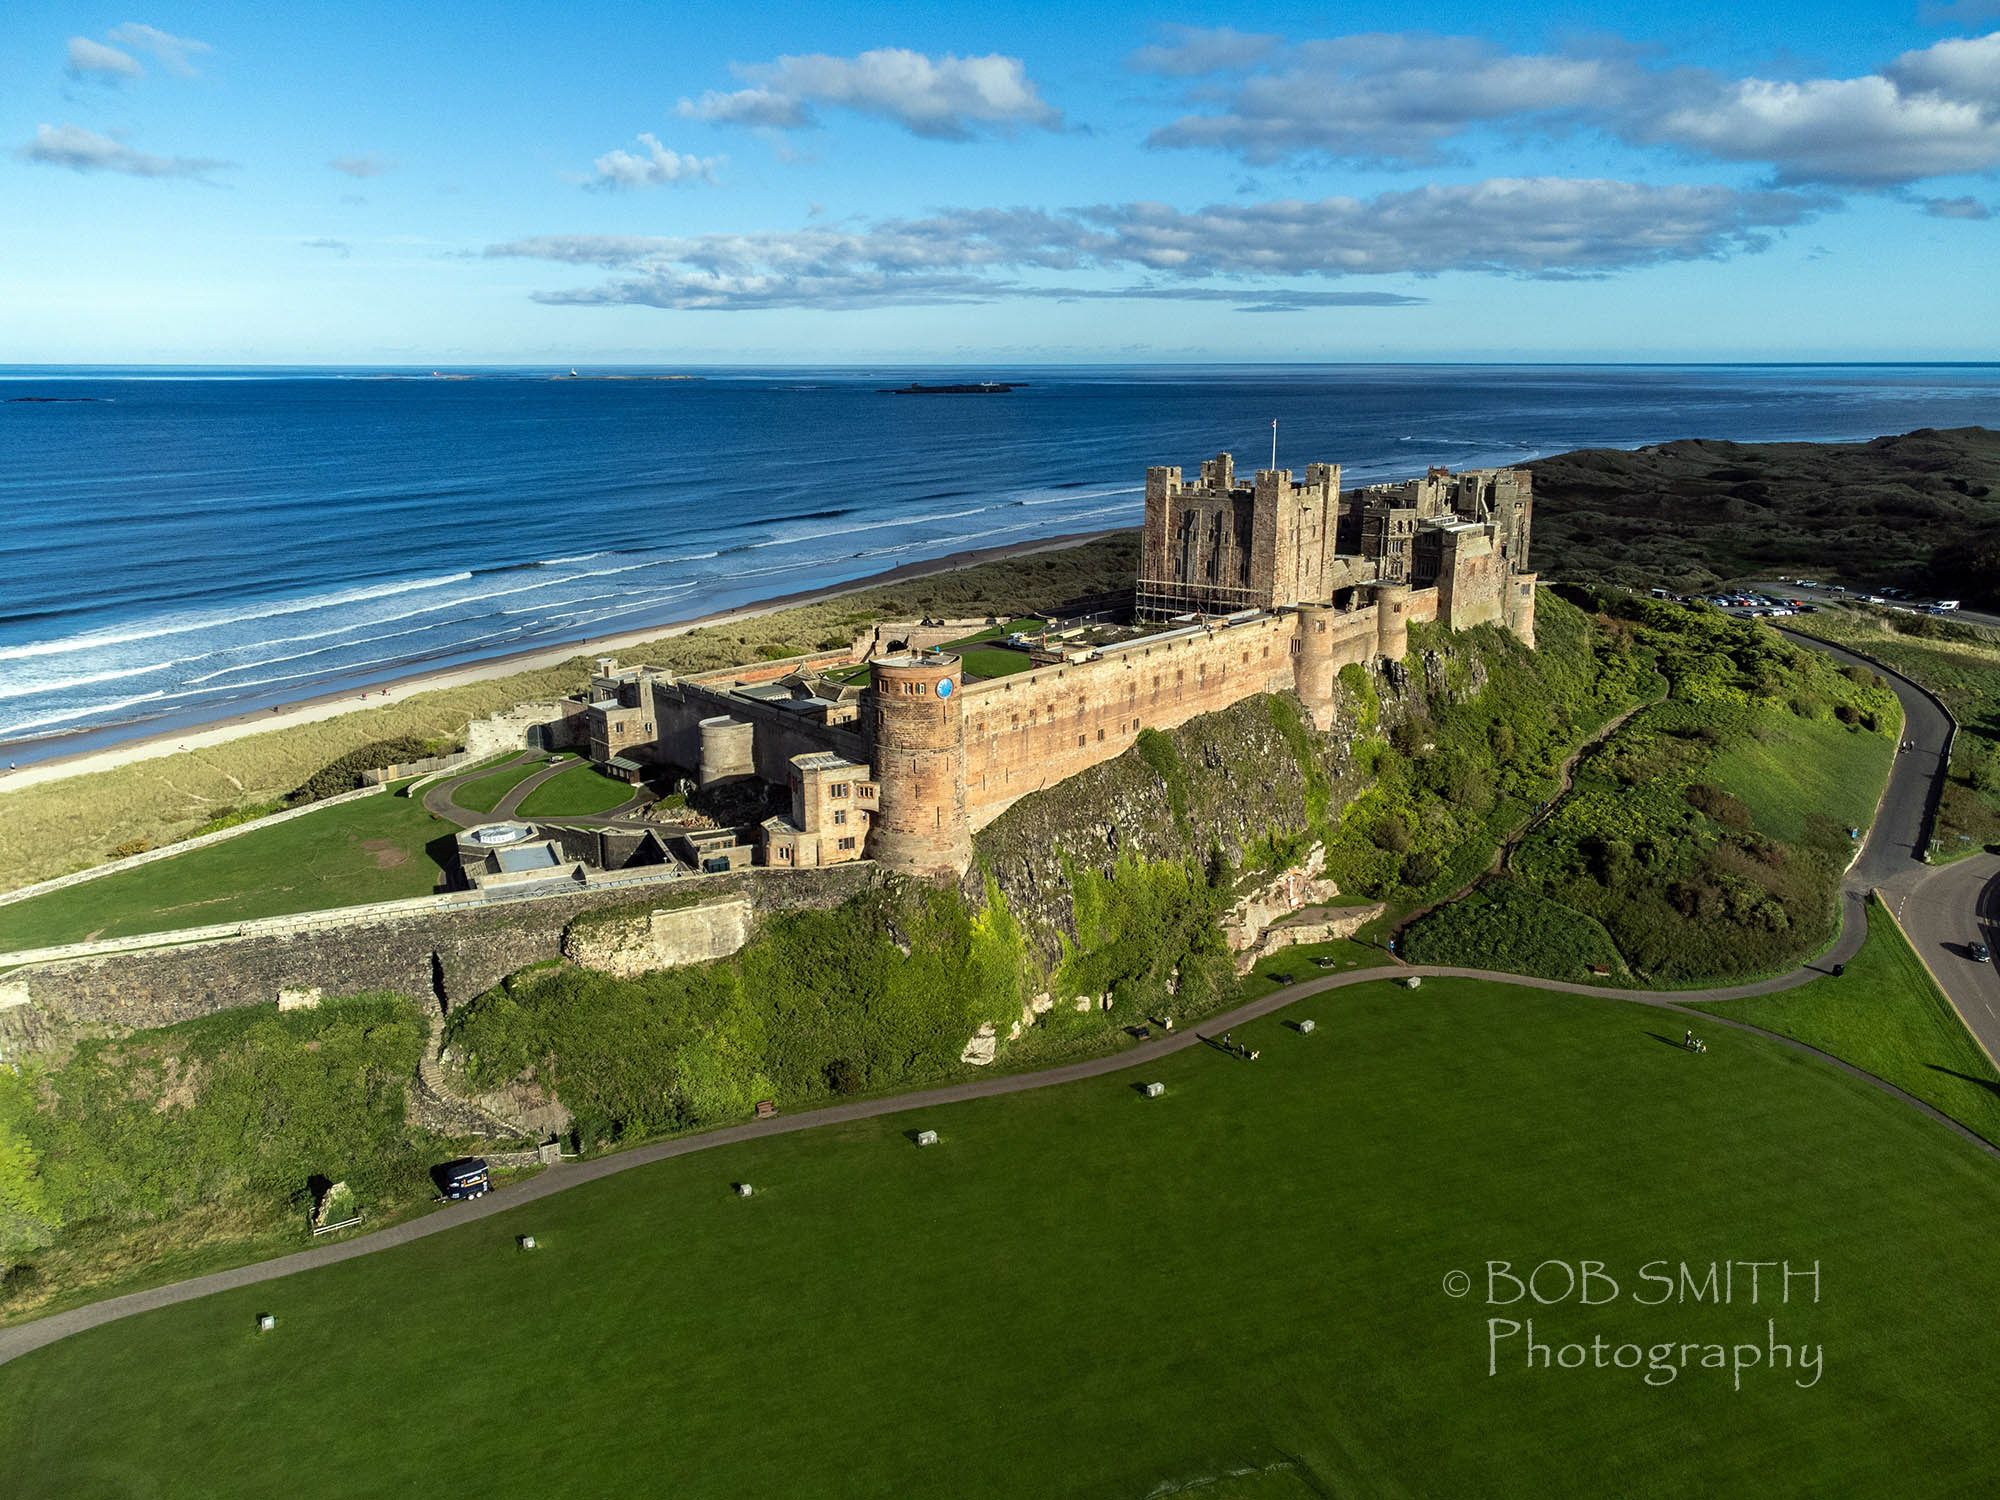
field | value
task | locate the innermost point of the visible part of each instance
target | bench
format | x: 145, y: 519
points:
x: 767, y: 1109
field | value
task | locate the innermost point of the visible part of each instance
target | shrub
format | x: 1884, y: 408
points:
x: 1719, y: 805
x: 344, y: 774
x: 844, y: 1076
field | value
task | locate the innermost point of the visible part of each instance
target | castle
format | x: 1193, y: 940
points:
x: 1242, y: 589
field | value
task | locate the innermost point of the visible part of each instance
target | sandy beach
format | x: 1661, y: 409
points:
x: 332, y: 705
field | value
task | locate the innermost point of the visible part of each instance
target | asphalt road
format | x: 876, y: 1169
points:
x: 1944, y: 911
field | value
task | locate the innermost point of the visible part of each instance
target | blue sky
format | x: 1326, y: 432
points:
x: 704, y: 184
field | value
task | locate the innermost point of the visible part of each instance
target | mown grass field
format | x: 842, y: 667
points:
x: 1886, y: 1015
x: 1084, y: 1292
x: 373, y: 849
x: 577, y: 792
x: 488, y: 792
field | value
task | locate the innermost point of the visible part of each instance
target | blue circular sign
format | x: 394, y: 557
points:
x: 944, y: 687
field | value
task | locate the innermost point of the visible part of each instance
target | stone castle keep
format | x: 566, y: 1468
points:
x: 1263, y: 587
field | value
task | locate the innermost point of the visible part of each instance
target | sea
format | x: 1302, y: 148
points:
x: 185, y: 545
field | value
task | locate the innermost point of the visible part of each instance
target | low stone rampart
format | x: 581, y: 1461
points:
x: 444, y: 957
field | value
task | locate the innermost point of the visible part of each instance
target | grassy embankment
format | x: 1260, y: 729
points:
x: 380, y: 848
x: 165, y: 1153
x: 1705, y: 839
x: 1886, y: 1015
x: 56, y: 827
x: 1961, y: 665
x: 1213, y: 1293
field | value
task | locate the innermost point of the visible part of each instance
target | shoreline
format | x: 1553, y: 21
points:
x: 329, y: 705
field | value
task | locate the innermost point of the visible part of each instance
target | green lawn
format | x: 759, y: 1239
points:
x: 994, y: 633
x: 1885, y: 1015
x: 373, y: 849
x: 994, y: 661
x: 487, y: 792
x: 1083, y: 1292
x: 1787, y: 768
x: 573, y: 793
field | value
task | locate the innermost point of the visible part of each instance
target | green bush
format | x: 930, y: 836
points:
x: 344, y: 774
x: 1503, y: 925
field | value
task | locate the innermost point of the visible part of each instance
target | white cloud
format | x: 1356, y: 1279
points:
x: 86, y: 151
x: 1384, y: 97
x: 172, y: 51
x: 1407, y: 99
x: 652, y: 167
x: 368, y: 164
x: 1863, y: 132
x: 943, y: 98
x: 338, y: 247
x: 1190, y: 51
x: 106, y: 63
x: 1539, y: 227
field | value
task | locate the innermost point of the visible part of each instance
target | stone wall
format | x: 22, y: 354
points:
x: 640, y: 942
x: 1033, y: 729
x: 444, y: 958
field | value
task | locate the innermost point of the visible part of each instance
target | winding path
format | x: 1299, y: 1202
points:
x: 1888, y: 859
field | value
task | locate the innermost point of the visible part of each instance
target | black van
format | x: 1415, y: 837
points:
x: 465, y: 1178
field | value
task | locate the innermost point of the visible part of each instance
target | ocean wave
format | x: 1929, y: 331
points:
x: 91, y: 640
x: 14, y: 730
x: 90, y: 680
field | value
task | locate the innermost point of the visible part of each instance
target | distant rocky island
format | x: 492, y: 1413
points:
x: 983, y: 388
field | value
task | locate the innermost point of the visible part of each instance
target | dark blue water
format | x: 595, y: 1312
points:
x: 190, y: 544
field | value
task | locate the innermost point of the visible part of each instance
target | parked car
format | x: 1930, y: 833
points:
x: 1979, y: 953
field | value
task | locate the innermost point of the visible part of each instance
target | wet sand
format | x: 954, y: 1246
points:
x: 331, y: 705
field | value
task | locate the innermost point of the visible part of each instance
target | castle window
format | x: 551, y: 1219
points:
x: 838, y: 789
x: 1100, y: 736
x: 840, y: 815
x: 1079, y: 742
x: 847, y: 843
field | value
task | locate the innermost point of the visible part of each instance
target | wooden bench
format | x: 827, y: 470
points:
x: 767, y: 1109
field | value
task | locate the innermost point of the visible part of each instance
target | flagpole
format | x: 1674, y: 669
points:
x: 1274, y: 442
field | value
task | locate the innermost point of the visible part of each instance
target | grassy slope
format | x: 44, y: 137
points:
x: 56, y: 827
x: 1886, y: 1015
x: 1082, y: 1292
x: 1961, y: 664
x: 576, y: 792
x: 373, y: 849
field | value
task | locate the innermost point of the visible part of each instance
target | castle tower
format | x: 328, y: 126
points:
x: 1520, y: 607
x: 1392, y: 625
x: 919, y: 733
x: 1315, y: 673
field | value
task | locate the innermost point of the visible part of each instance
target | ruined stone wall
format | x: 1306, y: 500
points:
x: 443, y: 958
x: 1033, y: 729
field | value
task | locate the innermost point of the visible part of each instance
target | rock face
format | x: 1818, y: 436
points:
x: 1289, y: 909
x: 983, y: 1048
x: 641, y: 942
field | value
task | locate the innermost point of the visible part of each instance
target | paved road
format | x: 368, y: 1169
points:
x: 441, y: 798
x: 1887, y: 859
x: 1944, y: 911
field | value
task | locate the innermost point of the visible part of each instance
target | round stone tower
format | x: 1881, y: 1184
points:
x: 728, y: 749
x: 1392, y: 626
x: 920, y: 828
x: 1314, y: 672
